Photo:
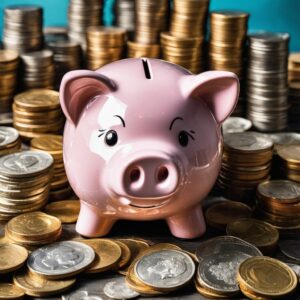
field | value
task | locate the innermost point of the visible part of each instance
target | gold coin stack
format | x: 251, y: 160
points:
x: 294, y: 105
x: 37, y: 112
x: 9, y: 62
x: 81, y: 15
x: 38, y: 70
x: 23, y: 28
x: 246, y: 162
x: 289, y: 162
x: 294, y: 67
x: 104, y: 45
x: 142, y: 50
x: 33, y: 229
x: 53, y: 144
x: 278, y: 202
x: 10, y: 141
x: 151, y: 19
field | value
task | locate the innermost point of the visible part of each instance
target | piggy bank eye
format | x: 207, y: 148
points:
x: 111, y: 138
x: 183, y: 138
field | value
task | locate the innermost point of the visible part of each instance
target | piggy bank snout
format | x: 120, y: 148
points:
x: 150, y: 177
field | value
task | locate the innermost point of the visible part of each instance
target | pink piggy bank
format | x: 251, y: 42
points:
x: 143, y: 141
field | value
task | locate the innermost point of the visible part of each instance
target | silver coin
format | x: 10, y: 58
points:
x: 117, y: 289
x: 290, y: 248
x: 165, y: 269
x: 26, y: 163
x: 80, y: 295
x: 236, y: 124
x: 8, y: 135
x: 295, y: 268
x: 60, y: 260
x: 217, y: 272
x: 222, y: 244
x: 285, y: 138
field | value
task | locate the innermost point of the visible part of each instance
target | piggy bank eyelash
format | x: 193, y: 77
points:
x: 102, y: 131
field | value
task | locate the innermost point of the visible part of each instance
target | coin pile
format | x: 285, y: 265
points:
x: 246, y: 162
x: 267, y: 89
x: 125, y: 15
x: 219, y: 259
x: 294, y: 105
x: 24, y: 182
x: 289, y: 162
x: 81, y: 15
x: 142, y: 50
x: 37, y: 112
x: 104, y: 45
x: 9, y: 62
x: 53, y: 144
x: 151, y: 19
x: 38, y: 69
x: 278, y: 202
x: 184, y: 51
x: 255, y: 282
x: 236, y: 124
x: 294, y: 67
x: 67, y: 57
x: 10, y: 141
x: 55, y: 33
x: 23, y: 28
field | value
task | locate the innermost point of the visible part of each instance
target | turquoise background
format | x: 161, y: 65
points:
x: 273, y: 15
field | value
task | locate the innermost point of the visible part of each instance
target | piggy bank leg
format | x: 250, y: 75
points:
x: 91, y: 222
x: 188, y: 224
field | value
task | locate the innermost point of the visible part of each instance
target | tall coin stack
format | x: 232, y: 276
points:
x: 53, y: 144
x: 294, y: 67
x: 267, y: 89
x: 125, y: 15
x: 227, y: 50
x: 37, y: 112
x: 23, y: 28
x: 81, y: 15
x: 294, y: 105
x: 67, y: 57
x: 38, y: 69
x: 24, y: 182
x: 104, y: 45
x: 9, y: 62
x: 246, y: 162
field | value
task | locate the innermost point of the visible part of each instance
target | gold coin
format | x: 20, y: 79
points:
x: 108, y: 254
x: 12, y: 257
x: 7, y: 56
x: 208, y: 293
x: 290, y: 153
x: 126, y: 254
x: 36, y: 286
x: 49, y: 142
x: 267, y: 277
x: 10, y: 291
x: 66, y: 210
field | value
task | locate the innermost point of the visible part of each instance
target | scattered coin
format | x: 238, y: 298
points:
x: 10, y: 291
x: 117, y: 289
x: 290, y: 248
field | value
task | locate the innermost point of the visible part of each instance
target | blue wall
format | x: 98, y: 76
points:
x: 273, y: 15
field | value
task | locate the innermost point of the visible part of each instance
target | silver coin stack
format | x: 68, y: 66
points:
x: 23, y: 28
x: 125, y: 15
x: 38, y: 69
x: 67, y: 57
x: 81, y: 15
x: 267, y: 88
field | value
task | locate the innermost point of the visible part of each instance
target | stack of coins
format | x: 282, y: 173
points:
x: 289, y: 162
x: 294, y: 105
x: 294, y: 67
x: 9, y: 62
x: 67, y: 57
x: 23, y: 28
x: 104, y: 45
x: 37, y: 112
x: 151, y: 19
x: 278, y: 202
x: 267, y: 89
x: 24, y: 182
x: 184, y: 51
x: 142, y: 50
x: 38, y: 70
x: 125, y: 15
x: 81, y: 15
x: 53, y: 144
x: 246, y: 162
x: 10, y: 141
x: 255, y: 282
x: 33, y: 229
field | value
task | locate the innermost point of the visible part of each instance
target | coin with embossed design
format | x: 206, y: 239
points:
x: 117, y: 289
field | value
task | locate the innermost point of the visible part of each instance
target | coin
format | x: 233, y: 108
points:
x: 290, y: 248
x: 12, y: 257
x: 61, y: 259
x: 10, y: 291
x: 165, y: 269
x: 108, y: 253
x: 267, y: 277
x: 261, y: 234
x: 208, y: 293
x: 117, y: 289
x: 125, y: 256
x: 236, y: 124
x: 285, y: 138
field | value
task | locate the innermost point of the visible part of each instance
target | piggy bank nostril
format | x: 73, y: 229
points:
x: 134, y: 175
x: 162, y: 174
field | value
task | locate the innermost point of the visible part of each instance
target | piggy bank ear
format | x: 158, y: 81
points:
x: 78, y: 87
x: 219, y: 89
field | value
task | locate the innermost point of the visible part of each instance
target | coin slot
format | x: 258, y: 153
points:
x: 146, y: 68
